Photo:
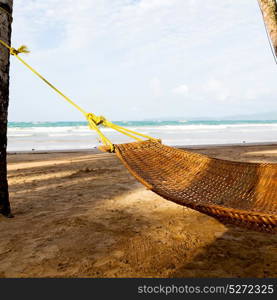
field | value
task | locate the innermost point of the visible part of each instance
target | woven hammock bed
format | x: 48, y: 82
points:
x: 239, y: 193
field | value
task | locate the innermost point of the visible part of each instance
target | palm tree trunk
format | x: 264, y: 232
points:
x: 269, y: 11
x: 5, y: 35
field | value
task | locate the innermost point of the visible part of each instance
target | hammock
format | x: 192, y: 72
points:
x: 240, y: 193
x: 234, y: 192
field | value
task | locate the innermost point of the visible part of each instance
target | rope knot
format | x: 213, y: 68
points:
x: 98, y: 120
x: 21, y: 49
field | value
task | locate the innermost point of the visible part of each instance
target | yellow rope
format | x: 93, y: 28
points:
x: 117, y: 127
x: 93, y: 120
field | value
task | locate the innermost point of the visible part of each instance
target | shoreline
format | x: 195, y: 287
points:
x: 96, y: 150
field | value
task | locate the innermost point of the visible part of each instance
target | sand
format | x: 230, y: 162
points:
x: 81, y: 214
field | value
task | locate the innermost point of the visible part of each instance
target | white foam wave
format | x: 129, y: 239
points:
x: 82, y: 137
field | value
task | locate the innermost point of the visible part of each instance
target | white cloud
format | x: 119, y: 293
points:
x: 214, y: 85
x: 217, y: 89
x: 102, y: 52
x: 156, y: 87
x: 181, y: 90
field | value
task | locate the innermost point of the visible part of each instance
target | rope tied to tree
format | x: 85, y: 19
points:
x: 13, y: 51
x: 21, y: 49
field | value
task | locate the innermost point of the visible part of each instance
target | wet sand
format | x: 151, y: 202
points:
x: 81, y: 214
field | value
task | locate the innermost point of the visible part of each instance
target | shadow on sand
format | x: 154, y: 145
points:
x: 92, y: 219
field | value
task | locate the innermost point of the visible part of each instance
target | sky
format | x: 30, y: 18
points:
x: 142, y: 59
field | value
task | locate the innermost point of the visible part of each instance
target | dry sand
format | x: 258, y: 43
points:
x: 81, y: 214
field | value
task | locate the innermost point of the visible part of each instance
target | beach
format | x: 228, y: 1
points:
x: 81, y: 214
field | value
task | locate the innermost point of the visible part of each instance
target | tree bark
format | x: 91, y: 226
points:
x: 5, y: 35
x: 269, y: 11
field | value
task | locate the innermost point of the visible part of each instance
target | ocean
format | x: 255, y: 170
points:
x: 32, y: 136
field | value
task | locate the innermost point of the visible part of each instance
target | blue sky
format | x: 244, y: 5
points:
x: 140, y: 59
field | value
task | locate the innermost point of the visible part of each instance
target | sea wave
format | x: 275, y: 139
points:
x: 77, y: 135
